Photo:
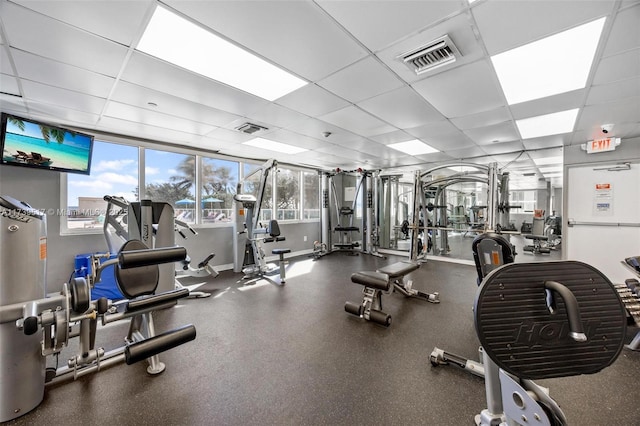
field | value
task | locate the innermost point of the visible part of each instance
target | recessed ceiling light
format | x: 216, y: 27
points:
x: 549, y: 124
x: 179, y: 41
x: 555, y: 64
x: 274, y: 146
x: 547, y: 160
x: 413, y: 147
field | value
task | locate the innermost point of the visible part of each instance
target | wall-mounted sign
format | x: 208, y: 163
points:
x: 601, y: 145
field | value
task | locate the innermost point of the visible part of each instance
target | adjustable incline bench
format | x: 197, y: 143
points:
x: 386, y: 279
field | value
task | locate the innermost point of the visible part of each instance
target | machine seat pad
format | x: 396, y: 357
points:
x: 144, y: 302
x: 518, y: 330
x: 280, y: 251
x: 399, y: 269
x: 372, y: 279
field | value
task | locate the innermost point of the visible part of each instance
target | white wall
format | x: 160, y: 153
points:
x: 602, y: 245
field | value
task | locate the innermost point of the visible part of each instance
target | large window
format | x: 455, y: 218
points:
x: 114, y: 172
x: 219, y: 180
x: 288, y: 194
x: 525, y: 199
x: 311, y: 195
x: 199, y: 188
x: 170, y: 177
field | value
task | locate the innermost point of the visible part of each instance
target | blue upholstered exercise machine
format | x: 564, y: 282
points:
x: 35, y: 325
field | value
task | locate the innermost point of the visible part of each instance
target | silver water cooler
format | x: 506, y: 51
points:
x: 23, y: 252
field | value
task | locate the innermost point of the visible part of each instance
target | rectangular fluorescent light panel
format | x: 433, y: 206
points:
x: 547, y: 161
x: 274, y: 146
x: 549, y: 124
x: 414, y: 147
x: 556, y: 64
x: 177, y: 40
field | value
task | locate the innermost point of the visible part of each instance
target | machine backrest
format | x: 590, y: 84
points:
x: 490, y: 251
x: 274, y: 228
x: 139, y: 281
x: 538, y: 226
x: 524, y: 327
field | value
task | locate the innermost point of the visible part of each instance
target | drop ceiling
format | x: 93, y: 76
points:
x: 75, y: 63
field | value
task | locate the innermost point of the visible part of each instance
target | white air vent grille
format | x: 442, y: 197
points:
x: 432, y: 55
x: 250, y: 128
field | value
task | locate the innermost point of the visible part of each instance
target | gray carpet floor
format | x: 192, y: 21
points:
x: 290, y: 355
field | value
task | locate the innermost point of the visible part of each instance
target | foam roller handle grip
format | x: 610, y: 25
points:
x: 30, y: 325
x: 145, y: 257
x: 160, y: 343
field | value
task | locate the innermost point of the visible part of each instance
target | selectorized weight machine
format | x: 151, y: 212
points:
x: 154, y: 224
x: 536, y: 321
x: 250, y: 237
x: 35, y: 325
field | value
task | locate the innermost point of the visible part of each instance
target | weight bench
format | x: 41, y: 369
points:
x: 386, y: 279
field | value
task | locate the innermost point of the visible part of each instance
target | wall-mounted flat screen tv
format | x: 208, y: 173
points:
x: 30, y: 143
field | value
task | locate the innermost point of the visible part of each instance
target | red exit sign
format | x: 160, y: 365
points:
x: 602, y: 145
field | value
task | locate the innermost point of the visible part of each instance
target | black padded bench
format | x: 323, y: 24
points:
x: 386, y: 279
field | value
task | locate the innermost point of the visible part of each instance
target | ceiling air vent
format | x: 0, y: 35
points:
x: 250, y: 128
x: 434, y: 54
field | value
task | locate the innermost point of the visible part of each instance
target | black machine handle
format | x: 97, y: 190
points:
x: 573, y: 310
x: 153, y: 346
x: 145, y: 257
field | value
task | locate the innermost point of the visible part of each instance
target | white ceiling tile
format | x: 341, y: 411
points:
x: 503, y: 148
x: 503, y: 132
x: 147, y: 71
x: 610, y: 92
x: 553, y: 141
x: 63, y: 98
x: 315, y: 128
x: 362, y: 80
x: 12, y: 104
x: 402, y: 107
x: 61, y: 116
x: 292, y: 34
x: 485, y: 118
x: 140, y: 96
x: 505, y: 25
x: 354, y: 119
x: 440, y: 129
x: 618, y: 67
x: 461, y: 32
x: 435, y: 157
x: 54, y: 73
x: 625, y: 32
x: 117, y: 20
x: 465, y: 90
x: 5, y: 62
x: 157, y: 119
x: 393, y: 137
x: 9, y: 85
x: 397, y: 18
x: 295, y: 139
x: 230, y: 136
x: 312, y: 100
x: 145, y: 130
x: 49, y: 38
x: 548, y: 105
x: 620, y: 111
x: 276, y: 115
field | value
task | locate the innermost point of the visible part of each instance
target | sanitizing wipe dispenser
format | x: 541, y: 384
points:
x: 23, y: 253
